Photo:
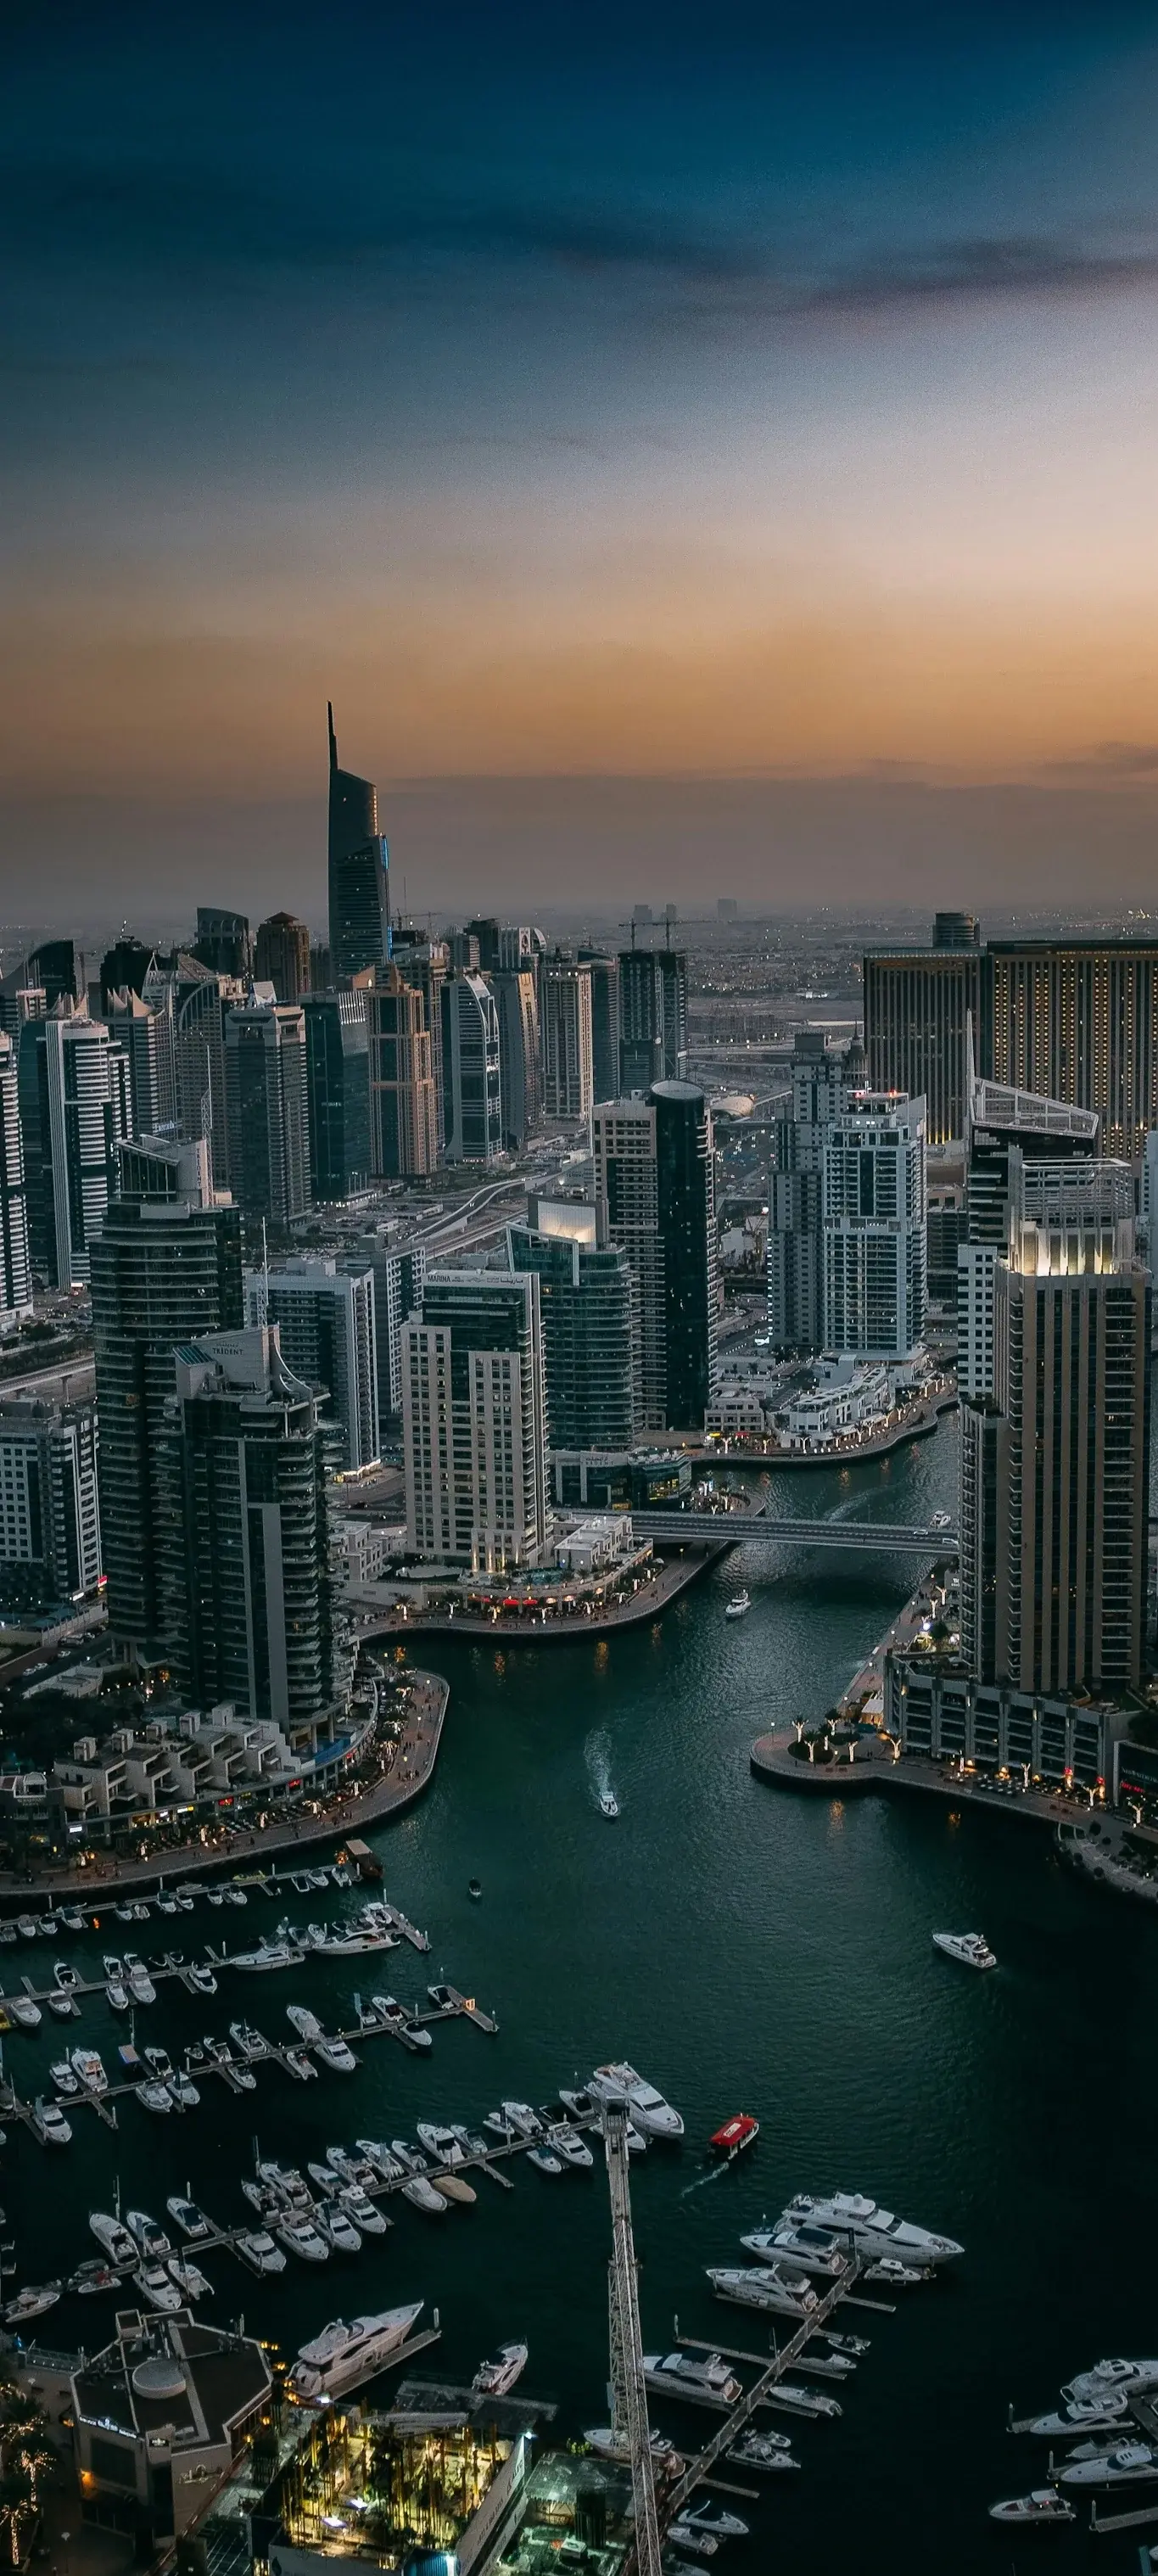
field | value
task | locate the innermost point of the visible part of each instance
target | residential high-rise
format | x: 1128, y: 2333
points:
x: 403, y: 1124
x: 399, y: 1274
x: 166, y: 1269
x: 1010, y: 1136
x: 50, y: 1532
x: 147, y: 1034
x: 244, y: 1533
x: 75, y: 1107
x: 47, y: 976
x: 425, y: 963
x: 1055, y: 1468
x: 824, y: 1081
x: 585, y: 1301
x: 474, y: 1423
x: 267, y: 1118
x: 917, y: 1007
x: 565, y: 1025
x: 520, y: 1068
x: 281, y: 956
x: 471, y: 1076
x: 15, y: 1264
x: 654, y: 1191
x: 875, y: 1294
x: 325, y: 1321
x: 358, y: 864
x: 653, y: 1016
x: 223, y: 943
x: 337, y: 1093
x: 604, y: 1021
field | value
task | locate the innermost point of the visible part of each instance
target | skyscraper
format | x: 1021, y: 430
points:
x: 281, y: 956
x: 824, y: 1081
x: 474, y: 1424
x: 244, y: 1532
x: 565, y: 1024
x: 585, y: 1301
x: 337, y: 1093
x: 399, y: 1274
x: 653, y: 1016
x: 15, y: 1265
x: 359, y: 898
x: 520, y: 1066
x: 604, y: 1021
x: 654, y: 1189
x: 50, y: 1532
x: 223, y: 943
x: 875, y: 1296
x: 147, y: 1034
x: 266, y: 1110
x: 471, y: 1078
x: 403, y: 1125
x: 166, y: 1269
x: 1055, y: 1466
x: 326, y: 1331
x: 75, y: 1108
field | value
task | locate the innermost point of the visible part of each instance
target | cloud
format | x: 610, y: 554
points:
x: 1107, y: 761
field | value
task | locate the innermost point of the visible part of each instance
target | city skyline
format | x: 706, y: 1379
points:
x: 653, y: 440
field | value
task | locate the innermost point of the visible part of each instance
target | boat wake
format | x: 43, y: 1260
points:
x: 597, y: 1756
x: 712, y: 2175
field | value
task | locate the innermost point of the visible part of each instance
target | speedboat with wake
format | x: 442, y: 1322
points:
x: 739, y: 1606
x: 342, y: 2356
x: 875, y: 2231
x: 608, y: 1804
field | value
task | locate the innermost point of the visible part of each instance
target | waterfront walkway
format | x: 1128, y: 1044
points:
x: 537, y: 1628
x: 875, y: 1769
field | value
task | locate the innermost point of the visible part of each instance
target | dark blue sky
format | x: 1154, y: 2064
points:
x: 593, y: 390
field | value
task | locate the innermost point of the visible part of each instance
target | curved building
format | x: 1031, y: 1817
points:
x: 359, y: 910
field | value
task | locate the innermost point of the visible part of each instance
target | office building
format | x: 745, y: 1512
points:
x: 358, y: 864
x: 223, y: 943
x: 402, y: 1108
x: 148, y: 1035
x: 917, y: 1007
x: 244, y: 1542
x: 504, y: 947
x: 875, y: 1295
x: 1055, y: 1467
x: 824, y: 1080
x: 326, y: 1329
x: 520, y: 1068
x: 281, y: 956
x: 266, y: 1111
x: 585, y: 1302
x: 654, y: 1195
x: 471, y: 1076
x: 398, y: 1274
x: 75, y: 1108
x: 15, y: 1261
x: 653, y: 1017
x: 166, y: 1269
x: 50, y: 1531
x: 337, y: 1093
x: 425, y: 963
x: 474, y: 1422
x: 604, y: 1021
x: 43, y: 978
x: 565, y: 1023
x: 956, y: 930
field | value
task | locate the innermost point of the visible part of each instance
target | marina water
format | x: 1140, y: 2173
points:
x: 747, y: 1950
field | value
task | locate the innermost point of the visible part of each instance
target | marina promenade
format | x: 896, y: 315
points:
x: 875, y: 1769
x: 519, y: 1626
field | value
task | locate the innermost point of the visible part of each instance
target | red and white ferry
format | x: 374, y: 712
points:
x: 737, y: 2133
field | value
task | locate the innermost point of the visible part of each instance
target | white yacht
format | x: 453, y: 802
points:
x: 192, y: 2221
x: 441, y: 2143
x: 379, y: 2157
x: 899, y: 2276
x: 336, y: 2225
x: 422, y: 2195
x: 739, y: 1606
x: 342, y: 2356
x: 610, y: 2445
x: 649, y: 2111
x: 519, y: 2120
x: 48, y: 2123
x: 398, y: 2020
x: 22, y: 2010
x: 286, y: 2181
x: 804, y: 2401
x: 63, y: 2077
x: 1137, y: 2378
x: 256, y: 2246
x: 155, y: 2096
x: 184, y: 2092
x: 368, y: 2218
x: 1131, y: 2463
x: 305, y: 2023
x: 710, y: 2517
x: 1039, y: 2507
x: 608, y: 1804
x: 118, y: 1994
x: 1082, y: 2415
x: 146, y: 2233
x: 495, y: 2378
x: 89, y: 2072
x: 693, y: 2374
x: 113, y: 2238
x: 782, y: 2294
x: 154, y: 2284
x: 875, y: 2231
x: 808, y: 2249
x: 763, y: 2451
x: 31, y: 2303
x: 700, y: 2543
x: 299, y: 2236
x: 573, y: 2149
x: 140, y: 1983
x: 337, y: 2055
x: 970, y: 1949
x: 269, y: 1955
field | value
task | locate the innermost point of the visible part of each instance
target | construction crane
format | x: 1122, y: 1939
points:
x: 628, y: 2391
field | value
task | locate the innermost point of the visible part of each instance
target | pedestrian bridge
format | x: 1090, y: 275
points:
x: 859, y: 1538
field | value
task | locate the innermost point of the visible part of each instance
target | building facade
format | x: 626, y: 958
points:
x: 653, y: 1017
x: 474, y: 1422
x: 327, y: 1335
x: 655, y: 1198
x: 75, y: 1108
x: 565, y: 1023
x: 358, y: 879
x: 337, y: 1094
x: 266, y: 1109
x: 399, y: 1273
x: 471, y: 1073
x: 604, y: 1021
x: 281, y: 955
x: 875, y: 1298
x: 402, y: 1106
x: 15, y: 1262
x: 50, y: 1531
x: 585, y: 1301
x: 917, y: 1007
x: 517, y: 1001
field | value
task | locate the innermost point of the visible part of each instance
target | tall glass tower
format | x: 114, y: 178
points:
x: 359, y: 901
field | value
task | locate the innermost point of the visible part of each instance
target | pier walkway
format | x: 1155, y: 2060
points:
x: 760, y: 2394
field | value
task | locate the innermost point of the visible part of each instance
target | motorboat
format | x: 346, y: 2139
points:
x: 154, y: 2284
x: 736, y: 2134
x: 422, y: 2195
x: 337, y: 2055
x: 88, y: 2278
x: 219, y: 2053
x: 155, y: 2096
x: 452, y: 2187
x: 783, y: 2294
x: 442, y: 1998
x: 31, y: 2303
x: 305, y: 2023
x: 216, y: 1896
x: 763, y: 2451
x: 146, y: 2233
x: 140, y: 1911
x: 441, y: 2143
x: 185, y: 2094
x: 809, y: 2249
x: 563, y: 2141
x: 165, y: 1903
x: 970, y: 1949
x: 691, y: 2374
x: 299, y: 2236
x: 336, y: 2225
x: 300, y: 2064
x: 290, y: 2186
x: 1082, y: 2415
x: 608, y: 1804
x: 402, y: 2023
x: 899, y: 2276
x: 495, y: 2378
x: 88, y: 2070
x: 193, y: 2223
x: 1035, y: 2510
x: 199, y: 1979
x: 545, y: 2159
x: 366, y: 2015
x: 580, y: 2105
x: 702, y: 2544
x: 8, y: 1931
x: 875, y: 2231
x: 325, y: 2178
x: 379, y: 2157
x: 28, y: 1926
x: 1130, y: 2462
x: 140, y: 1983
x: 159, y: 2063
x: 63, y: 2004
x: 607, y: 2444
x: 48, y: 2123
x: 72, y: 1920
x: 64, y: 1976
x: 410, y: 2158
x: 235, y: 1895
x: 117, y: 1994
x: 650, y: 2114
x: 125, y: 1913
x: 1138, y: 2378
x: 251, y: 2042
x: 113, y: 2238
x: 739, y: 1606
x: 22, y: 2010
x: 350, y: 2168
x: 368, y: 2218
x: 268, y: 1956
x: 342, y: 2356
x: 519, y: 2120
x: 63, y: 2077
x: 940, y: 1520
x: 256, y: 2246
x: 805, y: 2401
x: 183, y: 1899
x: 714, y: 2518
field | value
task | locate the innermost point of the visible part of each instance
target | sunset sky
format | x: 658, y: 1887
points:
x: 759, y: 402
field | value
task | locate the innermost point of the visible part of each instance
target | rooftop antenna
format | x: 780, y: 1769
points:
x: 333, y: 737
